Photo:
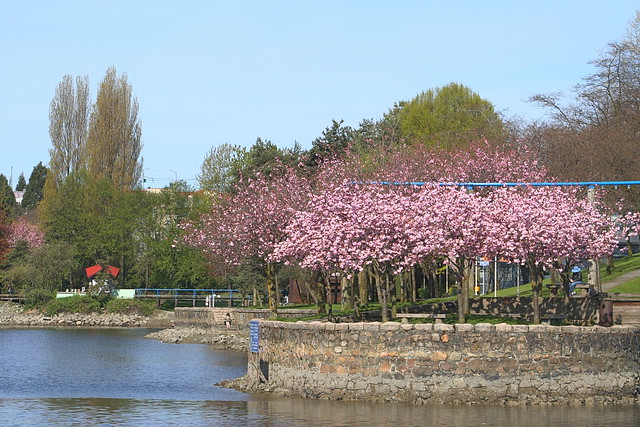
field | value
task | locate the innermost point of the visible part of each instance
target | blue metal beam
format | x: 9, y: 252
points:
x: 590, y: 184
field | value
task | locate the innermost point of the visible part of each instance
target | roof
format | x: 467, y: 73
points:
x: 92, y: 271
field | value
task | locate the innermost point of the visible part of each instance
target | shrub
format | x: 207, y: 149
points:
x: 38, y: 298
x: 130, y: 306
x: 74, y: 304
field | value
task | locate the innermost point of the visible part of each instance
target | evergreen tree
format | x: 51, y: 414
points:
x: 7, y: 198
x: 22, y: 183
x: 34, y: 191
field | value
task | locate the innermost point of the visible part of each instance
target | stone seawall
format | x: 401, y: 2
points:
x: 442, y: 363
x: 211, y: 316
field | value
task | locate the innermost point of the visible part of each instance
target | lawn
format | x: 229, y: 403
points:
x: 620, y: 267
x: 630, y: 287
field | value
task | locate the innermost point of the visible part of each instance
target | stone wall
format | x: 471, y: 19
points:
x: 442, y: 363
x: 577, y: 310
x: 210, y: 316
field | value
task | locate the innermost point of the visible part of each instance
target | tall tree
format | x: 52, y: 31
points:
x: 220, y: 167
x: 68, y: 127
x: 249, y: 223
x: 7, y: 198
x: 440, y: 114
x: 334, y: 142
x: 593, y: 134
x: 22, y: 183
x: 34, y: 191
x: 114, y: 143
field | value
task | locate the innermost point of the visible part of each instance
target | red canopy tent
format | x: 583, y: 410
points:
x: 92, y: 271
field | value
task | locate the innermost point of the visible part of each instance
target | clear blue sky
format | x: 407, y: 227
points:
x: 210, y: 72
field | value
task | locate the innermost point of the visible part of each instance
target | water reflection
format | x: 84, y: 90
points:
x: 115, y: 377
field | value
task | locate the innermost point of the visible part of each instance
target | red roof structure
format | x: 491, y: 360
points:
x: 92, y: 271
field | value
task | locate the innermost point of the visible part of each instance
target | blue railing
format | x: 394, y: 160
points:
x: 590, y: 184
x: 192, y: 293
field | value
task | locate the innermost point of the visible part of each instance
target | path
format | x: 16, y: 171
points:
x: 620, y: 280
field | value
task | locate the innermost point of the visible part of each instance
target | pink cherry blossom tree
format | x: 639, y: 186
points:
x: 549, y: 227
x: 22, y: 230
x: 250, y: 222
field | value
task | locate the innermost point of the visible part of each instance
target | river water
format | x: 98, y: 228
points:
x: 79, y: 377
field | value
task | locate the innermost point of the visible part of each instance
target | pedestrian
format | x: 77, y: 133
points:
x: 227, y: 320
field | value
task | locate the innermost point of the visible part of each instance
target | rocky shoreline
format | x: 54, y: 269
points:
x: 236, y: 340
x: 12, y: 315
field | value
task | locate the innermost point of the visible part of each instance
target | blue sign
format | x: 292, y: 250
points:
x: 254, y: 336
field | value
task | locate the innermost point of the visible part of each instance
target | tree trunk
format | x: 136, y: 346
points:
x: 536, y: 286
x: 467, y: 283
x: 609, y: 264
x: 414, y: 292
x: 461, y: 315
x: 322, y: 295
x: 391, y: 291
x: 363, y: 287
x: 271, y: 290
x: 346, y: 287
x: 382, y: 297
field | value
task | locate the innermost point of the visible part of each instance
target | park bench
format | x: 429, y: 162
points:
x: 547, y: 318
x: 554, y: 287
x: 406, y: 316
x: 586, y: 289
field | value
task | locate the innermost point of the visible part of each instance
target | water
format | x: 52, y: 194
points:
x: 69, y: 377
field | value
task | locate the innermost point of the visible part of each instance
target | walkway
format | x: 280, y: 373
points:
x: 607, y: 286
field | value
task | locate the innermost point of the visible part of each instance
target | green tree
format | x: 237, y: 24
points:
x: 220, y: 167
x: 264, y: 156
x: 34, y: 191
x: 7, y: 198
x: 444, y: 113
x: 22, y: 183
x: 48, y: 267
x: 334, y: 142
x: 160, y: 263
x: 114, y: 142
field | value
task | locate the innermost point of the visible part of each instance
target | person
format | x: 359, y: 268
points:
x: 227, y: 320
x: 575, y: 279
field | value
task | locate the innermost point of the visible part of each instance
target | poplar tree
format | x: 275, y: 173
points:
x: 114, y: 142
x: 68, y: 127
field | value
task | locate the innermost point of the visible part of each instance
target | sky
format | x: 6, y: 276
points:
x: 212, y: 72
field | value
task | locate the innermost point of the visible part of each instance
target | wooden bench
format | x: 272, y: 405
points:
x: 547, y: 318
x: 406, y: 316
x: 554, y: 287
x: 586, y: 287
x: 512, y: 315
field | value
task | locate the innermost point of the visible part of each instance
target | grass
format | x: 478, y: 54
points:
x: 620, y: 266
x: 630, y: 287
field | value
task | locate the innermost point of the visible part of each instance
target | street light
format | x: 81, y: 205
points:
x: 176, y: 174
